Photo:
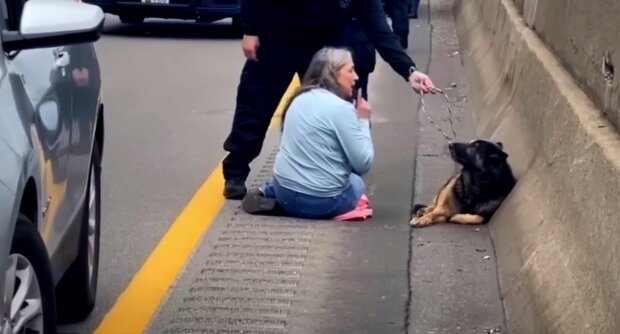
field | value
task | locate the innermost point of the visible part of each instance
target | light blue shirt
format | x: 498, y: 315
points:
x: 322, y: 143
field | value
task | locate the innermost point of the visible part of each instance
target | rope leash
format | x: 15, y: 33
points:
x: 430, y: 119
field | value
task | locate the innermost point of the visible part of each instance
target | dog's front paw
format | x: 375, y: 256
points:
x: 420, y: 210
x: 420, y: 222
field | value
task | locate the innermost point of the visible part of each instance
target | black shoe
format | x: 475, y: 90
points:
x: 235, y: 189
x: 256, y: 203
x: 413, y: 15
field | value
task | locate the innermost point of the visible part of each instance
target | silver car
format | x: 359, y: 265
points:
x: 51, y: 141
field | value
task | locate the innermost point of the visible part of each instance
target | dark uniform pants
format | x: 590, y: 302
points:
x: 399, y: 13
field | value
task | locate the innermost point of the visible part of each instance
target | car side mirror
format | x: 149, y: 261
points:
x: 54, y: 23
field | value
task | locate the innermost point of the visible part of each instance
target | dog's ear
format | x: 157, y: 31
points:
x: 499, y: 143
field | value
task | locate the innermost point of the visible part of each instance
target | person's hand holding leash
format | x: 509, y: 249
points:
x: 421, y: 83
x: 250, y: 46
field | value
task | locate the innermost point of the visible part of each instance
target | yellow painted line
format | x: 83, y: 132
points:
x: 277, y: 116
x: 137, y: 304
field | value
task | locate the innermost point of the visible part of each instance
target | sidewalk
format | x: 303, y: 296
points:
x: 454, y: 286
x: 278, y: 275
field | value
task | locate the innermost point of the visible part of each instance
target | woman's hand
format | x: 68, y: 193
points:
x: 363, y: 108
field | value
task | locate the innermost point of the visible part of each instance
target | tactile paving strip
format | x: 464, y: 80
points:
x: 249, y: 279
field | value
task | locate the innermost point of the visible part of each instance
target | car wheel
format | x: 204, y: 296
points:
x: 28, y: 286
x: 77, y: 289
x: 131, y: 19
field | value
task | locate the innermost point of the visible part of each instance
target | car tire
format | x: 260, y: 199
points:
x: 77, y: 290
x: 131, y: 19
x: 28, y: 254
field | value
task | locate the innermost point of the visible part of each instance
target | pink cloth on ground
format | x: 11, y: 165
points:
x: 361, y: 212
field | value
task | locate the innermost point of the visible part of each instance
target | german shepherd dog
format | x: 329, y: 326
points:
x: 472, y: 195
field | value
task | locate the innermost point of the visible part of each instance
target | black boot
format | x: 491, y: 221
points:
x: 256, y: 203
x: 235, y: 189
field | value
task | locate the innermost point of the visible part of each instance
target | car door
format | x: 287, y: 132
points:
x: 7, y: 168
x: 83, y: 70
x: 42, y: 96
x: 6, y: 197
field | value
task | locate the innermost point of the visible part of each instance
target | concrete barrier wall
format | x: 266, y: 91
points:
x: 585, y: 36
x: 557, y: 236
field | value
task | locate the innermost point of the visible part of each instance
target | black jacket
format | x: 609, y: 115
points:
x: 354, y: 39
x: 313, y: 24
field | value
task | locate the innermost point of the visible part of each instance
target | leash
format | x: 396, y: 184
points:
x: 430, y: 119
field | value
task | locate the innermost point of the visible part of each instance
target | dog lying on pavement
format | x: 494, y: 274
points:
x: 472, y: 195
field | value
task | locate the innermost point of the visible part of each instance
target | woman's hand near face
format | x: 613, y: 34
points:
x: 363, y: 108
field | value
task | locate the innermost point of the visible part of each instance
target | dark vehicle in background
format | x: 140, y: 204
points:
x: 135, y: 11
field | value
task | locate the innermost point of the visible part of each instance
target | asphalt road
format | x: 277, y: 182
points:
x: 169, y: 91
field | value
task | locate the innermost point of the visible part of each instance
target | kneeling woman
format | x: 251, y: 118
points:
x: 325, y: 144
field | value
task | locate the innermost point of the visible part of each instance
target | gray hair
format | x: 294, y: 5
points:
x: 323, y: 73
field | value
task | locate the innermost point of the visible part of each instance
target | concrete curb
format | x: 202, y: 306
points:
x: 557, y: 235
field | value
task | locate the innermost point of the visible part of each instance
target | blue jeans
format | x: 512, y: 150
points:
x: 311, y: 207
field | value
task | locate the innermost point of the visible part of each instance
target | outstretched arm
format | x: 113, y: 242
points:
x: 372, y: 17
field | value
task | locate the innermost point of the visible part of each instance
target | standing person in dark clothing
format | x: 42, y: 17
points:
x: 280, y: 38
x: 399, y: 13
x: 364, y: 58
x: 413, y: 9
